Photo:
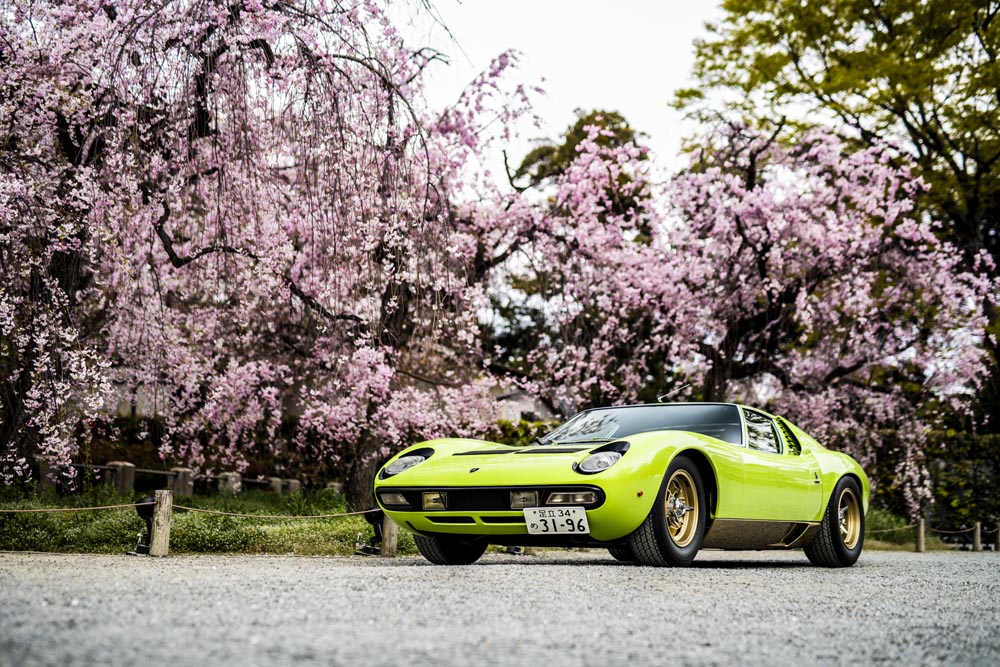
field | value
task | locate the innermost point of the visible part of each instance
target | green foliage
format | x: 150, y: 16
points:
x: 104, y: 531
x: 965, y: 477
x: 115, y: 531
x: 523, y: 433
x: 548, y: 161
x: 899, y: 535
x: 884, y: 520
x: 926, y: 71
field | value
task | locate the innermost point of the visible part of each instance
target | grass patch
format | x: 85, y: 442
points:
x: 884, y: 531
x: 115, y: 531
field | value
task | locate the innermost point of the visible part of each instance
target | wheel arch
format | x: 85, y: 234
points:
x: 708, y: 476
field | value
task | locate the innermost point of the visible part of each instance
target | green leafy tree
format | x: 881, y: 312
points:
x: 923, y: 75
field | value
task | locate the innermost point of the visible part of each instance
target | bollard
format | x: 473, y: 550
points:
x: 390, y: 534
x: 977, y: 540
x: 183, y: 483
x: 996, y: 538
x: 230, y: 482
x: 276, y: 484
x: 122, y: 477
x: 159, y: 545
x: 294, y: 486
x: 920, y: 535
x: 336, y: 486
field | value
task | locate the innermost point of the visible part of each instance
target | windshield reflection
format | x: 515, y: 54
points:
x: 601, y: 424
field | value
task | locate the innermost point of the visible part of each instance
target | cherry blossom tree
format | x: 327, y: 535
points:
x: 240, y: 215
x: 261, y: 215
x: 793, y: 278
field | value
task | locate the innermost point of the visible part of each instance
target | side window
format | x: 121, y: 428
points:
x: 760, y: 433
x: 794, y: 446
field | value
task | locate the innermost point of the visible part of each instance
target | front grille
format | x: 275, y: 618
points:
x: 486, y: 499
x: 479, y: 500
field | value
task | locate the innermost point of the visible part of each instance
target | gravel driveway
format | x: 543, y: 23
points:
x: 558, y: 608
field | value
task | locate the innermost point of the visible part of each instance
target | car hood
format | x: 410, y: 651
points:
x: 475, y: 463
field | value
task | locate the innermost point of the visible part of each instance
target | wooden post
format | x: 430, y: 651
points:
x: 390, y: 535
x: 183, y: 483
x: 122, y: 477
x: 230, y: 482
x: 977, y: 539
x: 159, y: 543
x: 920, y: 535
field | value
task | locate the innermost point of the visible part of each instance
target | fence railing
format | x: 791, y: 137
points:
x: 920, y: 530
x: 121, y: 476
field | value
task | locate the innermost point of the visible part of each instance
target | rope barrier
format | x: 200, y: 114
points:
x: 951, y: 532
x: 890, y: 530
x: 72, y: 509
x: 276, y: 516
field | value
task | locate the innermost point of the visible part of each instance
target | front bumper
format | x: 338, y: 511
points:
x: 486, y: 511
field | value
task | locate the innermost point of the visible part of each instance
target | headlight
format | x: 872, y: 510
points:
x: 598, y: 461
x: 402, y: 463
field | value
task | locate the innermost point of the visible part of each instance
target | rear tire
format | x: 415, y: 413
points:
x: 622, y: 552
x: 842, y: 532
x: 450, y: 550
x: 673, y: 532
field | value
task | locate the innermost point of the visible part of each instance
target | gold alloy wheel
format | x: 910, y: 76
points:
x: 681, y: 505
x: 849, y: 515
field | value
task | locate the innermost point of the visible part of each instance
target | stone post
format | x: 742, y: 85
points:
x: 230, y: 482
x: 294, y: 486
x: 122, y: 477
x: 920, y: 535
x: 183, y: 482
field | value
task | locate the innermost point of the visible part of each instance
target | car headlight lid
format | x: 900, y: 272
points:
x: 403, y: 463
x: 599, y: 461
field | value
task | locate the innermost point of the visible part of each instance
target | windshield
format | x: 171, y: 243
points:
x: 717, y: 421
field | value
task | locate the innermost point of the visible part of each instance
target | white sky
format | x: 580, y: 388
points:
x: 624, y: 55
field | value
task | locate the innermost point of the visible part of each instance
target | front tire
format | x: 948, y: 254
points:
x: 842, y: 532
x: 444, y: 550
x: 623, y: 553
x: 673, y: 532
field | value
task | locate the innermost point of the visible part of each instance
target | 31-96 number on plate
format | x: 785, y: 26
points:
x: 556, y: 520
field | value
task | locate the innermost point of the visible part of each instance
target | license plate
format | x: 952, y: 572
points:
x: 556, y: 520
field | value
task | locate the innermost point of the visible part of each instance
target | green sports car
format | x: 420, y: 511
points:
x: 650, y: 483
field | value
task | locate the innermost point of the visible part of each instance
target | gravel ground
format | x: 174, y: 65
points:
x: 557, y: 608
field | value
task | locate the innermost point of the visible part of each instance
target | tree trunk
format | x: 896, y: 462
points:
x: 359, y: 485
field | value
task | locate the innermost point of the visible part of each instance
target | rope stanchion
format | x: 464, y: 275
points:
x: 890, y: 530
x: 276, y: 516
x: 71, y: 509
x: 951, y: 532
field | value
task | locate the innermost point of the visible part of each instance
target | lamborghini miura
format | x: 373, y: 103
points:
x: 653, y: 484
